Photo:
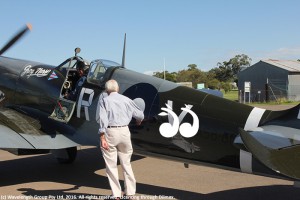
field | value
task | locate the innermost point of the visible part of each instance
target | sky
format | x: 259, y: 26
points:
x: 168, y: 34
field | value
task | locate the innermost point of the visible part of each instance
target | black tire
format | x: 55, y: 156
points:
x: 72, y: 153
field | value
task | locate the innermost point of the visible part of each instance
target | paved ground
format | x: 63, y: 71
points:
x: 274, y: 107
x: 37, y: 177
x: 41, y: 177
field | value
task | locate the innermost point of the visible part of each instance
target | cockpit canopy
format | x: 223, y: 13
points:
x: 99, y: 71
x: 98, y: 68
x: 71, y: 64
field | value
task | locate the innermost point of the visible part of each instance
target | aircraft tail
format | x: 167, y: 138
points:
x: 276, y: 143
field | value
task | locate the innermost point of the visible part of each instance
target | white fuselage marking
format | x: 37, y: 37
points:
x: 251, y: 123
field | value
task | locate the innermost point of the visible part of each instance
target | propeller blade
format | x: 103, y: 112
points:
x: 16, y: 38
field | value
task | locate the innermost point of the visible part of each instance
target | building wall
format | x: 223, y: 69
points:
x: 294, y: 87
x: 259, y: 75
x: 187, y: 84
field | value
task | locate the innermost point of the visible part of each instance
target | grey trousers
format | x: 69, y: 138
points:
x: 119, y: 142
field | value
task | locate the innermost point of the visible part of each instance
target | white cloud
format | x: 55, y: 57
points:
x: 284, y: 53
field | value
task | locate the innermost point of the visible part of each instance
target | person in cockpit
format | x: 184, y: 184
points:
x: 81, y: 69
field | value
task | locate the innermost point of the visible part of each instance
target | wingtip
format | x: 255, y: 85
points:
x: 29, y: 26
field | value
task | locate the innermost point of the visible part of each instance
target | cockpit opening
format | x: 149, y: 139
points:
x: 73, y: 69
x: 95, y: 73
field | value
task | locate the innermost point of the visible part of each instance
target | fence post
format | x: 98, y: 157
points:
x: 267, y: 92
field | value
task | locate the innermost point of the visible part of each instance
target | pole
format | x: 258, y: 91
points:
x: 164, y: 69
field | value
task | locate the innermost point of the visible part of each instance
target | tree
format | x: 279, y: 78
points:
x: 226, y: 86
x: 192, y: 67
x: 227, y: 70
x: 213, y: 84
x: 223, y: 73
x: 169, y: 76
x: 192, y: 74
x: 238, y: 62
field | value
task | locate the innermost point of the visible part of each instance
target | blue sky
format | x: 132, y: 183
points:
x: 183, y: 32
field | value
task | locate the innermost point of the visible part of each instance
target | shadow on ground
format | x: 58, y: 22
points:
x: 81, y: 173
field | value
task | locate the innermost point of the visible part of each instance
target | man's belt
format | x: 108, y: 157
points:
x: 116, y: 126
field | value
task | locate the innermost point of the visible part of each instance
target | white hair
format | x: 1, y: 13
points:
x: 111, y: 86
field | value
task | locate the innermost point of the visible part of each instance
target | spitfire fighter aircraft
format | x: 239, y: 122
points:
x: 180, y: 123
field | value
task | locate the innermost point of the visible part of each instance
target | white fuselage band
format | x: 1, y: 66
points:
x: 251, y: 123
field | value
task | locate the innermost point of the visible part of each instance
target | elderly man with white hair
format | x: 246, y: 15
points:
x: 116, y: 111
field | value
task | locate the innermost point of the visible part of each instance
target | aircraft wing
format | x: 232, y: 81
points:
x: 277, y: 147
x: 19, y: 131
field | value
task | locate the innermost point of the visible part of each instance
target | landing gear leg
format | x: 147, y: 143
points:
x: 65, y: 156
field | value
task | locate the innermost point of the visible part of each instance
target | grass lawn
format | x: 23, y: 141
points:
x: 231, y: 95
x: 234, y: 96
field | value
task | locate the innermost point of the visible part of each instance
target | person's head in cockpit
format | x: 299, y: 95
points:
x: 81, y: 68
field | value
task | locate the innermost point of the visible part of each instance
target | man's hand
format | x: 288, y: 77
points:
x: 104, y: 143
x: 138, y: 122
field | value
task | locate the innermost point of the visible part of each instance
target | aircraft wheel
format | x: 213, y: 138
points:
x: 65, y: 156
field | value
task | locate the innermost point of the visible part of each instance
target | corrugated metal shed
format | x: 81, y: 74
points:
x: 289, y: 65
x: 271, y: 79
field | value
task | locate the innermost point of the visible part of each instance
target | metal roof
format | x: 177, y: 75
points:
x: 289, y: 65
